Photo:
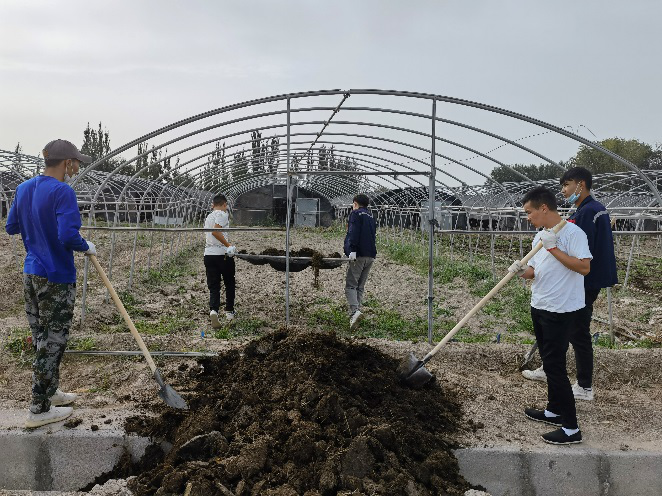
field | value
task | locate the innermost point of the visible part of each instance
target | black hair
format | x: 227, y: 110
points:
x: 52, y: 162
x: 219, y: 200
x: 540, y: 196
x: 362, y: 200
x: 578, y: 174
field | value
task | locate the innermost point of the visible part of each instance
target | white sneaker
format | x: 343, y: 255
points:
x: 55, y: 414
x: 215, y: 323
x: 61, y: 398
x: 582, y: 394
x: 355, y: 319
x: 535, y: 375
x: 229, y: 316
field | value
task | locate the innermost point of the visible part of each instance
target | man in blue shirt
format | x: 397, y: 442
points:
x: 592, y: 217
x: 45, y: 213
x: 361, y: 250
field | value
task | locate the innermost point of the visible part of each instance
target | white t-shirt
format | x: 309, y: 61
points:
x: 555, y: 287
x: 213, y: 246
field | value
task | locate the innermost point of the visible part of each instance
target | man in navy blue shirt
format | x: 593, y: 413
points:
x: 45, y: 213
x: 592, y: 217
x: 361, y: 250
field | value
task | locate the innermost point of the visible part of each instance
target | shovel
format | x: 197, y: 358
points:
x: 166, y: 393
x: 412, y: 371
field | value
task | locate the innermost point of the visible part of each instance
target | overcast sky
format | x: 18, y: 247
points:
x: 139, y: 65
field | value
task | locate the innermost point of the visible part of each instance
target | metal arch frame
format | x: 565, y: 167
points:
x: 245, y: 182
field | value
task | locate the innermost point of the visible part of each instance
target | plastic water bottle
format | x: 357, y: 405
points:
x: 202, y: 333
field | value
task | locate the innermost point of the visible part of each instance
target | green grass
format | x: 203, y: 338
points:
x: 167, y: 324
x: 240, y: 327
x: 19, y: 341
x: 82, y: 344
x: 173, y: 270
x: 378, y: 322
x: 131, y: 303
x: 511, y: 304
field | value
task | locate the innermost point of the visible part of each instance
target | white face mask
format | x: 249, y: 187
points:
x: 69, y: 178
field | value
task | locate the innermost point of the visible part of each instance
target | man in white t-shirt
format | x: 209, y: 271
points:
x: 557, y: 297
x: 219, y: 263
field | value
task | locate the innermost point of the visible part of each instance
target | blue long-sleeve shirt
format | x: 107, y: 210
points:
x: 593, y: 218
x: 45, y: 213
x: 361, y: 231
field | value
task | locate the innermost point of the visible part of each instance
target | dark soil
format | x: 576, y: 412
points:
x: 304, y: 413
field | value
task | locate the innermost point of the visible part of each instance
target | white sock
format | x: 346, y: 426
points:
x: 550, y: 414
x: 570, y: 432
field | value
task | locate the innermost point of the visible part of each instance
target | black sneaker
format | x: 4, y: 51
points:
x: 560, y: 437
x: 539, y: 416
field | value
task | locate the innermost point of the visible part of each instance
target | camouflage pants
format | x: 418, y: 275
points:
x: 50, y: 310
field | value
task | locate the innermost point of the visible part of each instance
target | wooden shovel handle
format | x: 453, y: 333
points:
x: 487, y: 297
x: 125, y: 315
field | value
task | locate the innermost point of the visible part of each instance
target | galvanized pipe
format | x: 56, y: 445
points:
x: 431, y: 221
x: 287, y: 222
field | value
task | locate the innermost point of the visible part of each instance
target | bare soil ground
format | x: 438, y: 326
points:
x: 173, y: 311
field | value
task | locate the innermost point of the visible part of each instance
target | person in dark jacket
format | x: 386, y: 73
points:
x: 45, y: 213
x: 361, y: 250
x: 592, y: 217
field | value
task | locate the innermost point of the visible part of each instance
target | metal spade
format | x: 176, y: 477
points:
x: 166, y: 393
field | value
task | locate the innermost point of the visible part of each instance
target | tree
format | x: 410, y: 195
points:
x: 322, y: 158
x: 240, y: 166
x: 534, y: 172
x: 96, y: 144
x: 654, y: 161
x: 183, y: 180
x: 273, y: 155
x: 310, y: 161
x: 258, y: 149
x: 17, y: 161
x: 597, y: 162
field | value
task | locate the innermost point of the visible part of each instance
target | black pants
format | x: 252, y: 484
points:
x: 581, y: 341
x: 553, y: 335
x: 217, y: 267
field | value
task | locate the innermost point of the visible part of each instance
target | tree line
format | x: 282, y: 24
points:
x: 643, y: 155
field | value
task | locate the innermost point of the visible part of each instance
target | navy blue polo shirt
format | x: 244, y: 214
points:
x: 361, y: 230
x: 593, y: 218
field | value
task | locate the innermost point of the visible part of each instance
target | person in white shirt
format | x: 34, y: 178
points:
x: 557, y: 297
x: 219, y: 261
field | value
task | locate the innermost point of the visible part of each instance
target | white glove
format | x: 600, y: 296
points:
x: 517, y: 268
x: 352, y: 256
x: 230, y: 251
x: 548, y: 238
x: 92, y: 250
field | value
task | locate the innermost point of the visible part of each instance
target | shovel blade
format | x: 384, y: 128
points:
x: 413, y: 373
x: 169, y: 395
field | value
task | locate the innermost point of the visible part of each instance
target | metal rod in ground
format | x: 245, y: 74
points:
x: 110, y: 262
x: 149, y: 253
x: 431, y: 221
x: 133, y: 259
x: 140, y: 353
x: 627, y: 270
x: 287, y: 223
x: 611, y: 316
